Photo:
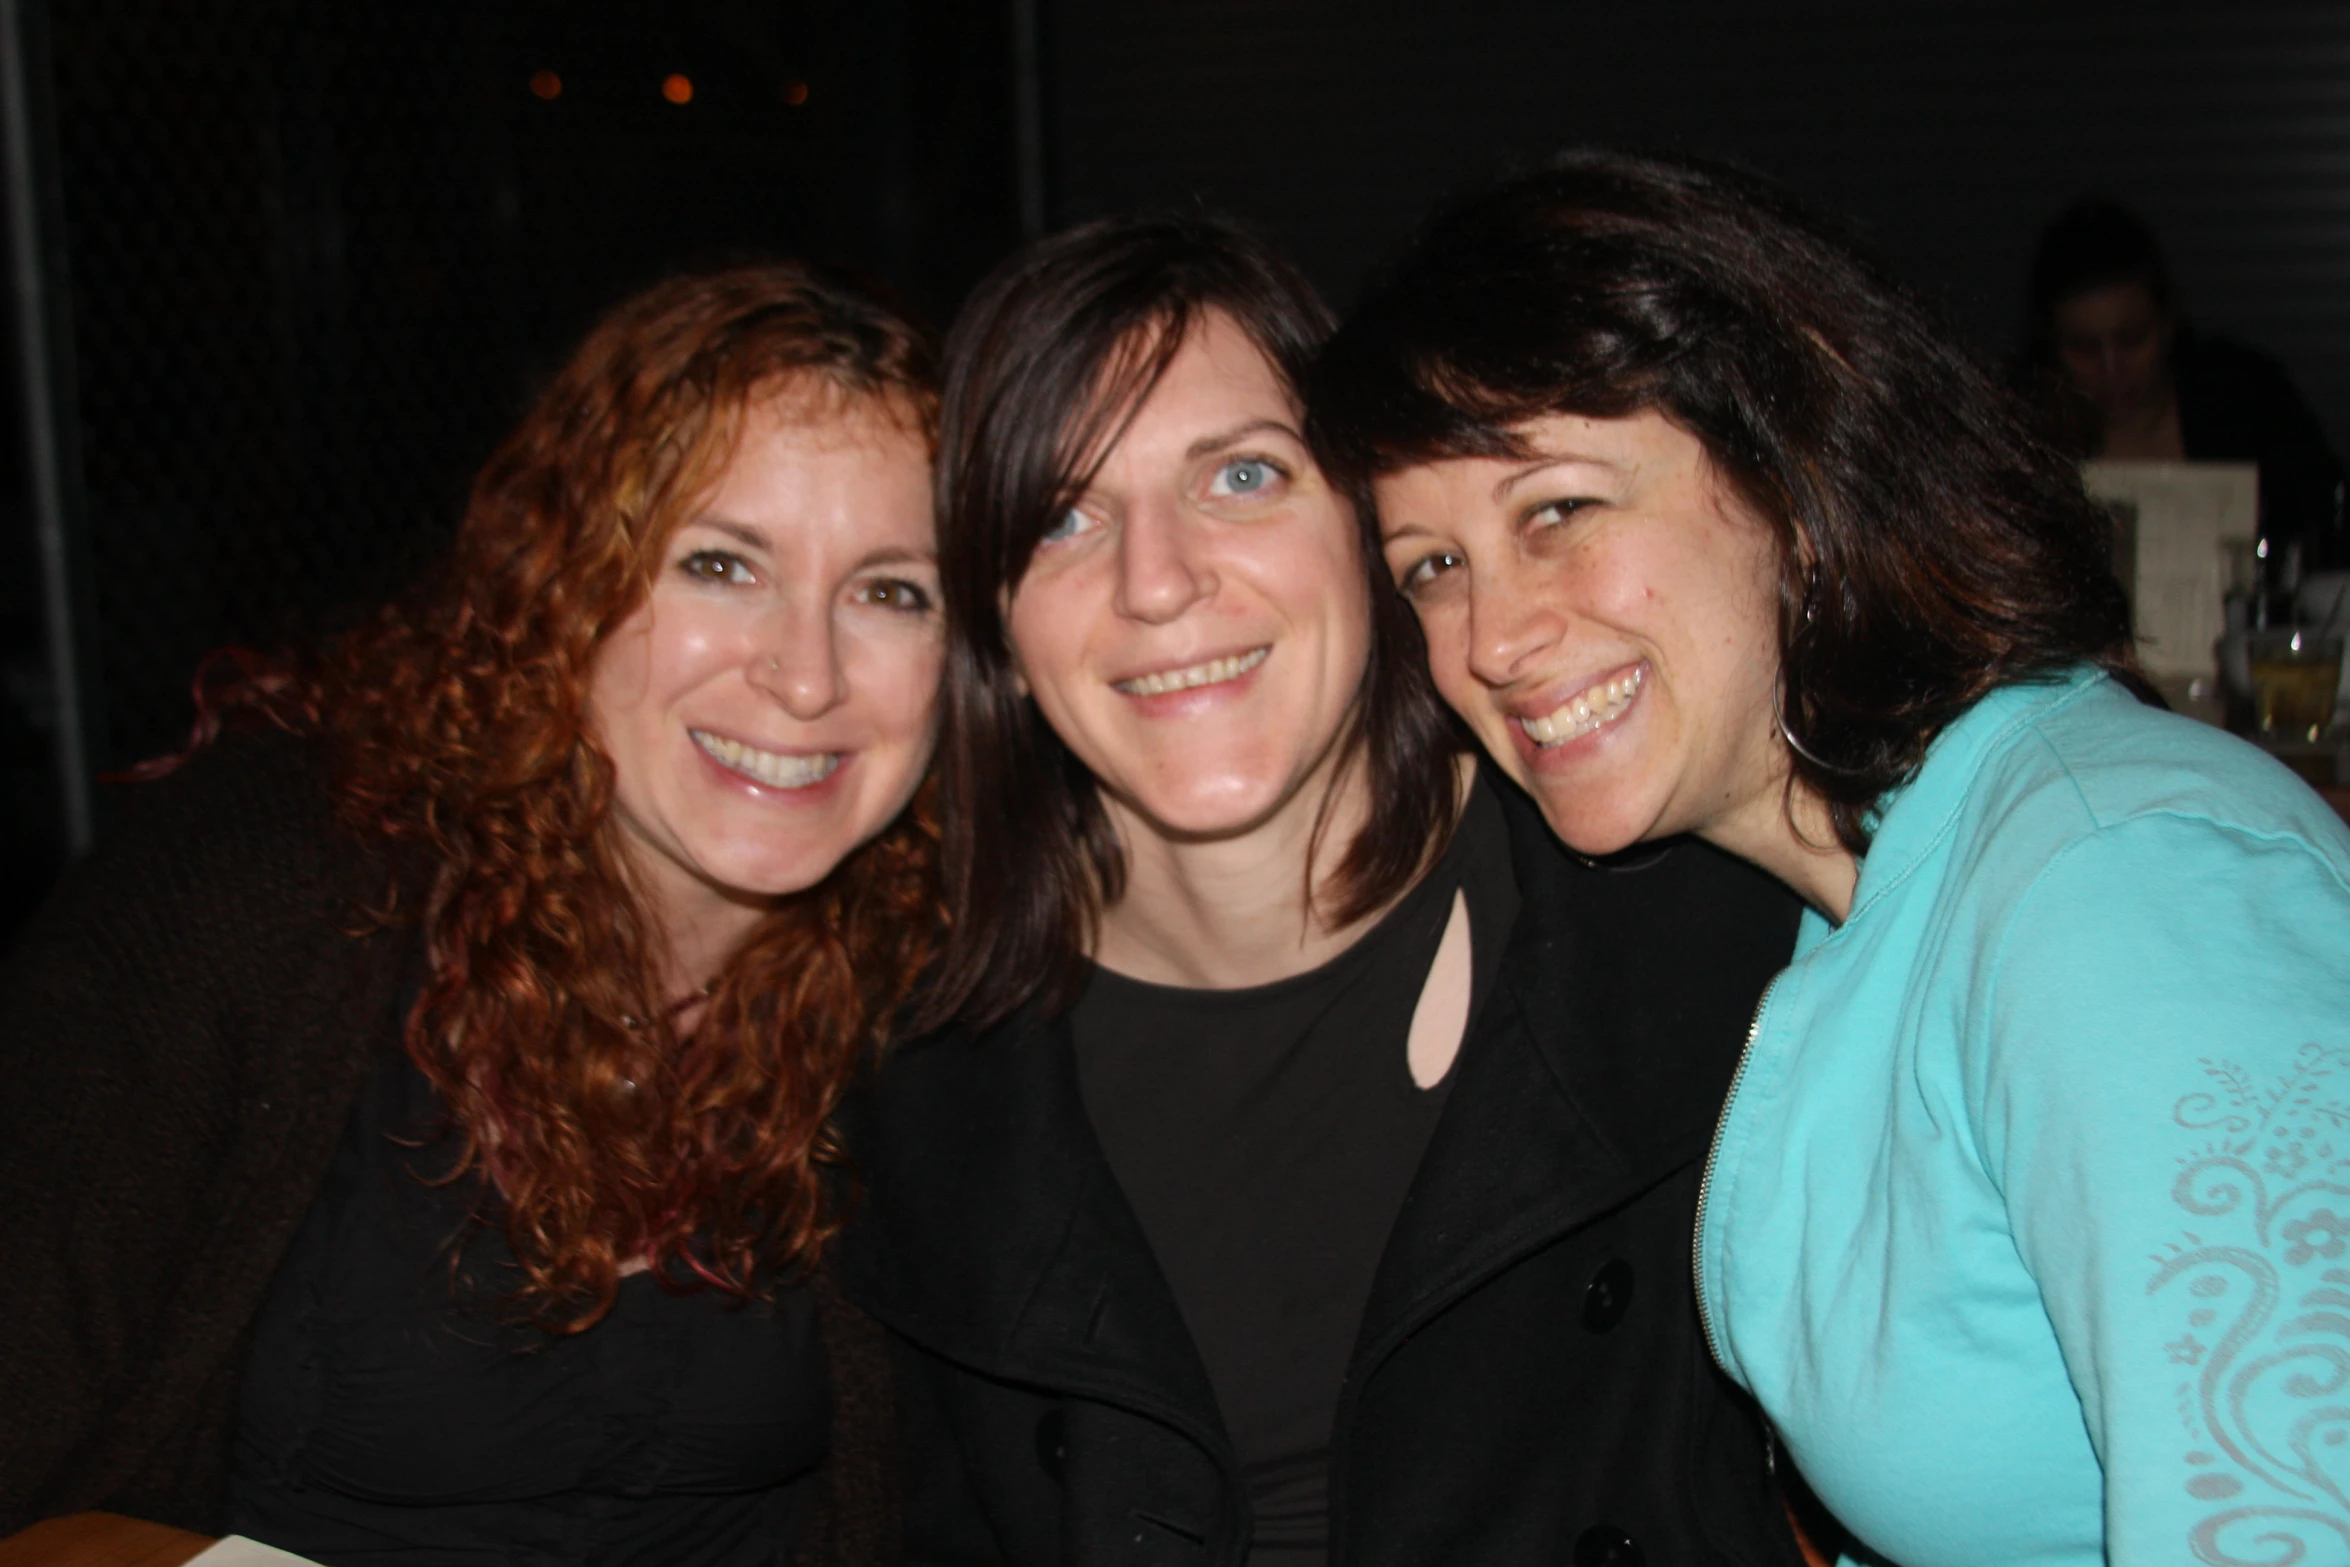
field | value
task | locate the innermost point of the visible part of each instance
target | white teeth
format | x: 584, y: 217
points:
x: 1592, y: 707
x: 766, y: 767
x: 1207, y: 674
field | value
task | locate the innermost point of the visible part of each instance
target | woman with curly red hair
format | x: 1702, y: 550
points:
x: 417, y: 1138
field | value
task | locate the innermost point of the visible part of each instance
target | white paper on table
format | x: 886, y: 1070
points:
x: 2187, y: 512
x: 237, y: 1551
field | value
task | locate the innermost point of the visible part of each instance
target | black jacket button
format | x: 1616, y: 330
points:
x: 1605, y: 1298
x: 1604, y: 1546
x: 1052, y: 1441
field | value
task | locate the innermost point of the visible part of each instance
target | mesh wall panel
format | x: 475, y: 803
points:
x: 293, y: 319
x: 321, y: 253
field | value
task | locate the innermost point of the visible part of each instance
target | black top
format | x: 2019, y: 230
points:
x: 184, y: 1029
x: 1529, y: 1382
x: 2237, y: 405
x: 392, y: 1413
x: 1265, y: 1138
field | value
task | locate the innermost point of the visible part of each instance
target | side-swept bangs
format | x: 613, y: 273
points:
x: 1930, y: 545
x: 1046, y: 366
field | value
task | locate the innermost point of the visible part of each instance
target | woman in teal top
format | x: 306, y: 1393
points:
x: 2028, y: 1220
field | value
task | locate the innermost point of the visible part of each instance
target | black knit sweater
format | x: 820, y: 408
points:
x: 182, y: 1031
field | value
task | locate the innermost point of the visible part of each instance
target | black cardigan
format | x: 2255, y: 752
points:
x: 1530, y: 1383
x: 182, y: 1031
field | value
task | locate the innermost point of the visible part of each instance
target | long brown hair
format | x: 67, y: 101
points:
x: 1051, y: 357
x: 458, y: 722
x: 1931, y: 546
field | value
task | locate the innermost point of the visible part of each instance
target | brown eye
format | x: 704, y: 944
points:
x: 1551, y: 513
x: 1423, y: 572
x: 717, y: 566
x: 896, y: 593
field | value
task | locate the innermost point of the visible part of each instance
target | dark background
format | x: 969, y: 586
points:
x: 1950, y: 130
x: 304, y: 259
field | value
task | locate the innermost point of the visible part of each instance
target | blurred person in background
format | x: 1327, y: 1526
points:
x: 417, y: 1140
x: 1303, y: 1171
x: 2025, y: 1217
x: 2124, y: 375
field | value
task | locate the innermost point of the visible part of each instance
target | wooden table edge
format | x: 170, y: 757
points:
x: 100, y: 1540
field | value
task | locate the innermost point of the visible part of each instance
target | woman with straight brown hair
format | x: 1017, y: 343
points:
x: 1301, y: 1168
x: 417, y: 1145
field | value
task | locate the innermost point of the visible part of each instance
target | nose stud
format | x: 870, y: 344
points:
x: 774, y: 665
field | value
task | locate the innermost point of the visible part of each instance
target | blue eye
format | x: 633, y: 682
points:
x: 1070, y: 524
x: 1246, y: 476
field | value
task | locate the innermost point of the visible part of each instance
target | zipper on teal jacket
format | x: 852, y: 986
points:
x: 1705, y: 1181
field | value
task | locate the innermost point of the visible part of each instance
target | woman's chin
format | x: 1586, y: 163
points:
x: 1595, y: 835
x: 1208, y: 811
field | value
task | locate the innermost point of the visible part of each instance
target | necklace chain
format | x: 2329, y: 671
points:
x: 691, y: 998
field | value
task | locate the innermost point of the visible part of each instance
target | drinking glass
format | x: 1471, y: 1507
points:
x: 2296, y: 674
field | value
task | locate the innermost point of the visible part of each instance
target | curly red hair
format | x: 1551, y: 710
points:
x: 460, y: 728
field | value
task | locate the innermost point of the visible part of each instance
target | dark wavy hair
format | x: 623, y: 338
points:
x: 1931, y: 545
x: 2094, y: 244
x: 458, y: 724
x: 1050, y: 359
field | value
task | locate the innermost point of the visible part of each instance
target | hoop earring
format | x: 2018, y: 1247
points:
x: 1779, y: 712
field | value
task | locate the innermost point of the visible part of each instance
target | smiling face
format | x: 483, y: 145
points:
x: 1197, y: 627
x: 767, y: 708
x: 1604, y: 616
